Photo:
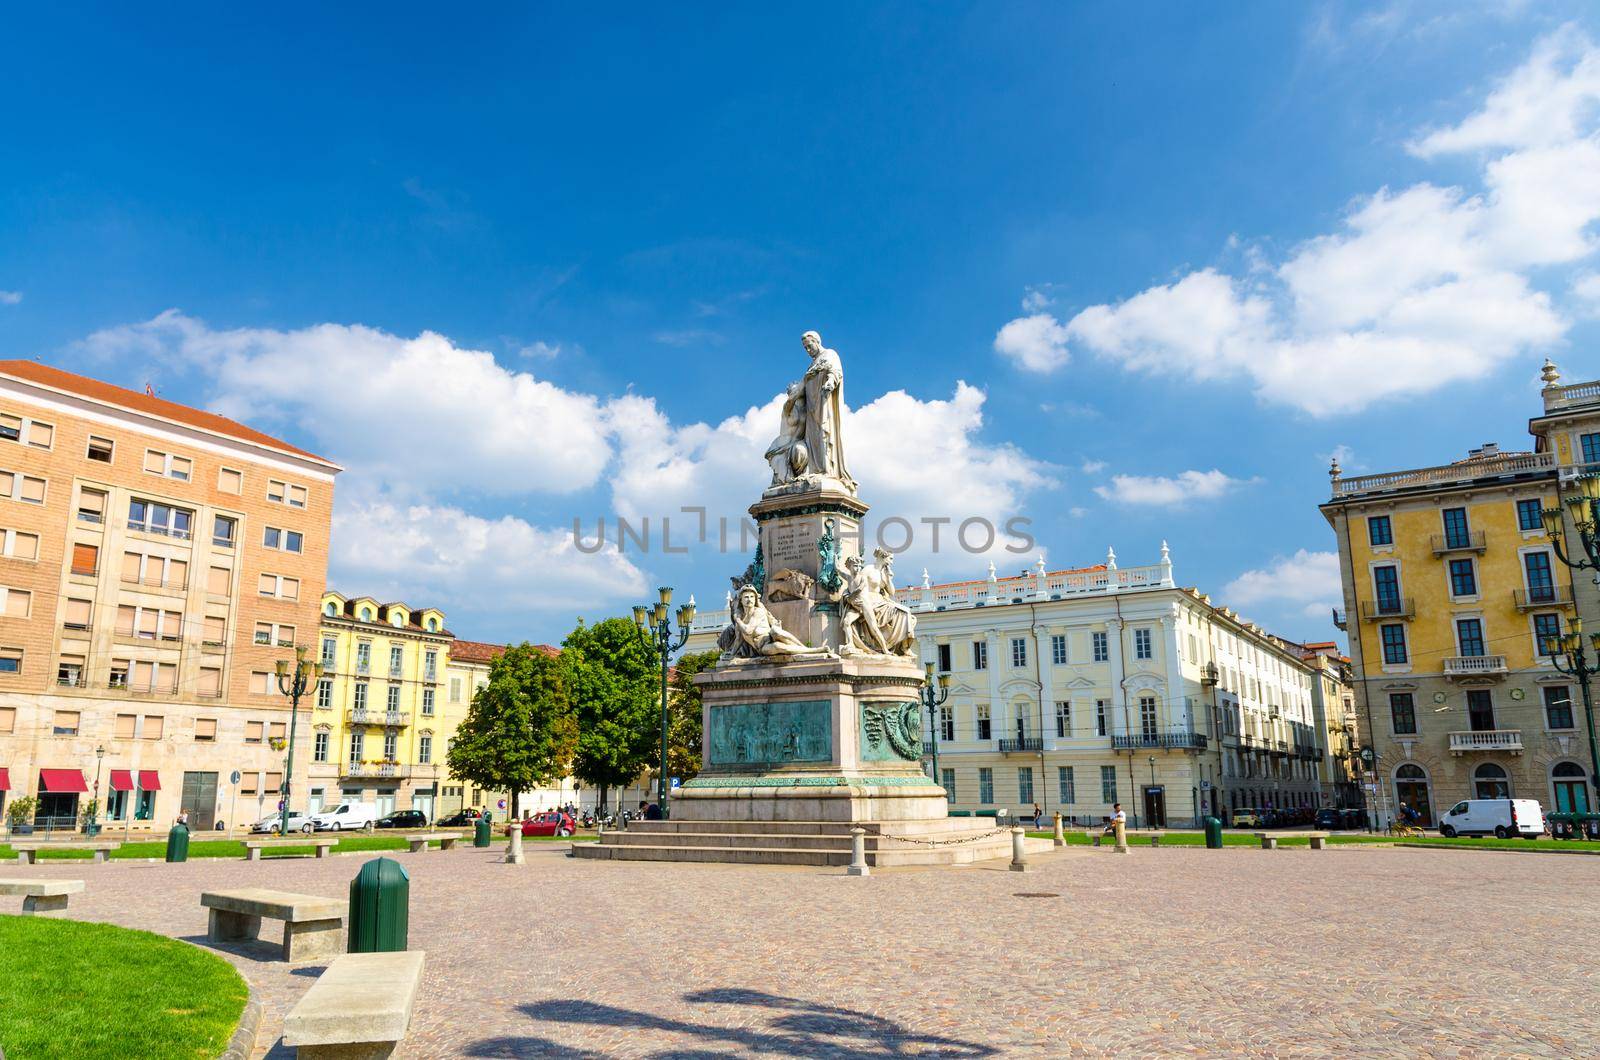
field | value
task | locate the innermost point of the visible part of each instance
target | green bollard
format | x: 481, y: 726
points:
x: 480, y: 835
x: 380, y: 908
x: 178, y: 843
x: 1213, y: 833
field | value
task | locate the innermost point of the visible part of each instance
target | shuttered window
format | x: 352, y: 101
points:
x: 154, y: 726
x: 218, y: 580
x: 259, y: 684
x: 125, y: 617
x: 154, y: 462
x: 171, y: 625
x: 78, y: 612
x: 32, y: 490
x: 125, y: 726
x: 17, y: 603
x: 210, y: 684
x: 252, y: 730
x: 132, y: 564
x: 230, y: 481
x: 206, y: 728
x: 23, y: 546
x: 214, y: 630
x: 41, y: 435
x: 85, y: 559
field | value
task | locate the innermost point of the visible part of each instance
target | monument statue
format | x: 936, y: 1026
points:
x: 753, y: 633
x: 809, y: 447
x: 872, y: 621
x: 788, y: 454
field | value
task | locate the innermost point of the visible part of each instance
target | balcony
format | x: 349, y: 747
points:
x: 1479, y: 666
x: 1388, y: 607
x: 1501, y: 465
x: 1021, y: 745
x: 363, y: 716
x: 1310, y: 752
x: 1509, y: 740
x: 397, y: 671
x: 1472, y: 541
x: 1167, y: 741
x: 374, y: 770
x: 363, y: 668
x: 1542, y: 596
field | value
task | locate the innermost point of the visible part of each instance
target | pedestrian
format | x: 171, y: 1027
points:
x: 1038, y: 812
x: 1117, y: 817
x: 652, y: 812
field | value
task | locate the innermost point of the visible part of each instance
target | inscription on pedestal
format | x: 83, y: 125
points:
x: 792, y: 545
x: 761, y: 735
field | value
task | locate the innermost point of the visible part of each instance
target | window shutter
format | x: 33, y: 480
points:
x: 210, y: 685
x: 155, y: 462
x: 18, y: 603
x: 215, y: 629
x: 217, y: 580
x: 267, y: 585
x: 130, y: 566
x: 230, y: 481
x: 172, y: 624
x: 41, y: 435
x: 26, y: 546
x: 154, y: 725
x: 33, y: 490
x: 125, y: 724
x: 206, y: 728
x: 125, y: 614
x: 289, y: 588
x: 78, y: 613
x: 177, y: 573
x: 277, y: 730
x: 85, y: 559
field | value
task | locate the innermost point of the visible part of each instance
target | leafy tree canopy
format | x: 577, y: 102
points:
x: 519, y: 731
x: 613, y: 685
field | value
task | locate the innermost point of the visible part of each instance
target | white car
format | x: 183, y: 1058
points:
x: 347, y: 817
x: 298, y: 822
x: 1501, y: 818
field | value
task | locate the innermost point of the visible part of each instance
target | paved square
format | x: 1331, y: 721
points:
x: 1371, y: 952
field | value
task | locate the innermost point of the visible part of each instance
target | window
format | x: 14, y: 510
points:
x: 1141, y: 644
x: 1379, y: 532
x: 944, y: 658
x: 167, y: 465
x: 985, y: 730
x: 986, y: 785
x: 1058, y: 649
x: 1064, y: 719
x: 126, y: 728
x: 1456, y: 534
x: 1591, y: 448
x: 1108, y: 784
x: 275, y: 633
x: 153, y: 677
x: 152, y: 518
x: 219, y: 581
x: 1394, y: 644
x: 1541, y: 583
x: 154, y: 725
x: 286, y: 493
x: 392, y: 698
x: 1489, y: 781
x: 1099, y: 717
x: 148, y: 623
x: 249, y: 783
x: 1545, y: 627
x: 8, y: 720
x: 1528, y: 515
x: 391, y: 746
x: 213, y: 629
x: 1019, y: 652
x: 455, y: 689
x: 69, y: 671
x: 358, y: 743
x: 20, y: 429
x: 66, y: 723
x: 1469, y: 633
x: 15, y: 603
x: 1024, y: 784
x: 277, y: 730
x: 19, y: 545
x: 260, y: 683
x: 363, y: 656
x: 210, y: 682
x: 19, y: 487
x: 947, y: 723
x: 230, y: 480
x: 205, y: 729
x: 1068, y: 794
x: 325, y: 693
x: 279, y: 586
x: 91, y: 506
x: 1463, y: 582
x: 1102, y: 646
x: 948, y: 781
x: 283, y: 540
x: 396, y: 660
x: 427, y: 702
x: 224, y: 531
x: 119, y: 673
x: 980, y: 655
x: 1403, y: 713
x: 1557, y: 707
x: 1147, y: 717
x: 360, y: 701
x: 430, y: 666
x: 100, y: 449
x: 319, y: 747
x: 425, y: 748
x: 1386, y: 587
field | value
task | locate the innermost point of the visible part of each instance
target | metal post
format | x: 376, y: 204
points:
x: 1019, y: 855
x: 661, y: 783
x: 858, y: 853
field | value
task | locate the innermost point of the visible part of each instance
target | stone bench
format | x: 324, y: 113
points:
x: 1269, y: 840
x: 1154, y: 837
x: 324, y: 845
x: 42, y: 897
x: 419, y: 841
x: 360, y: 1007
x: 313, y: 926
x: 28, y: 849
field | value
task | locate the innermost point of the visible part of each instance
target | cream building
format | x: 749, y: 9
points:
x: 156, y: 561
x: 1077, y: 689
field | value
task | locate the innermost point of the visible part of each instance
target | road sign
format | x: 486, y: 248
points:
x: 1205, y: 785
x: 233, y: 778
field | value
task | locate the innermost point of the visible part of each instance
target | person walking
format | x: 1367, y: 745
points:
x: 1038, y: 813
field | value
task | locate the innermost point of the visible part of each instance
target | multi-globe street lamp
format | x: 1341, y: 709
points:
x: 294, y: 683
x: 935, y: 690
x: 1583, y: 507
x: 92, y: 825
x: 657, y: 636
x: 1571, y: 647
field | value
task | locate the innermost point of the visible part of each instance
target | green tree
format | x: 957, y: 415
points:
x: 683, y: 712
x: 613, y: 685
x: 519, y: 731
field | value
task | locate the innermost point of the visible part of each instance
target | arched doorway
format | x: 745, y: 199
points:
x: 1571, y: 786
x: 1490, y: 781
x: 1411, y: 788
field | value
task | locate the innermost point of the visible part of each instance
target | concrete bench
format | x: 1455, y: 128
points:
x: 324, y: 845
x: 28, y: 849
x: 360, y: 1007
x: 42, y: 897
x: 313, y: 926
x: 419, y: 841
x: 1269, y: 840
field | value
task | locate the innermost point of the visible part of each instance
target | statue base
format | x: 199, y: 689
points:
x: 792, y: 523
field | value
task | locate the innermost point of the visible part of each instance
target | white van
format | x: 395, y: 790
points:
x: 347, y: 817
x: 1502, y: 818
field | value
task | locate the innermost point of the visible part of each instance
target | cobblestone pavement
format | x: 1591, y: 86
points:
x: 1288, y: 953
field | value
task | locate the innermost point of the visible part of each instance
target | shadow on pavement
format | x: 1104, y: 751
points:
x: 793, y: 1028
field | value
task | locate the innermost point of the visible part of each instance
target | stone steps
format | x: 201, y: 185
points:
x: 819, y: 843
x: 734, y: 839
x: 721, y: 854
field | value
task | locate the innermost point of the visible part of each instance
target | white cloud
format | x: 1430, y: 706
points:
x: 1586, y: 292
x: 10, y: 297
x: 1160, y: 489
x: 541, y: 351
x: 1093, y: 467
x: 1309, y: 580
x: 1038, y: 343
x: 1418, y: 287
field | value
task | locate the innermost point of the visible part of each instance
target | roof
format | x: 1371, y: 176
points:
x: 81, y: 385
x: 477, y: 651
x: 1010, y: 578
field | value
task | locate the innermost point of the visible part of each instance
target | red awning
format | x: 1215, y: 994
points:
x: 5, y: 779
x: 149, y: 780
x: 121, y: 780
x: 63, y: 781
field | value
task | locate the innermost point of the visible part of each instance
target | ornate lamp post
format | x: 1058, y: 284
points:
x: 1577, y: 665
x: 294, y: 684
x: 935, y: 690
x: 656, y: 634
x: 1583, y: 507
x: 93, y: 825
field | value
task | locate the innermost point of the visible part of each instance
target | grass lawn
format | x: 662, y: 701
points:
x: 233, y: 848
x: 1247, y: 839
x: 72, y: 989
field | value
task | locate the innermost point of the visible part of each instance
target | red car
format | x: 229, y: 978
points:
x: 551, y: 823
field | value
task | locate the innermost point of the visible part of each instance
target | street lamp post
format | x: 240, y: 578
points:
x: 1583, y: 506
x: 1577, y: 665
x: 94, y: 803
x: 657, y: 636
x: 935, y: 690
x: 294, y: 684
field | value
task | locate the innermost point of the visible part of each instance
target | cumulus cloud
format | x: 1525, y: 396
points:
x: 1174, y: 490
x: 1037, y: 343
x: 1419, y: 287
x: 1309, y: 580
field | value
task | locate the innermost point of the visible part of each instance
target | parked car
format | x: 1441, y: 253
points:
x: 347, y: 817
x: 1501, y: 818
x: 299, y: 821
x: 404, y: 819
x: 1246, y: 819
x: 1330, y: 819
x: 552, y: 822
x: 464, y: 819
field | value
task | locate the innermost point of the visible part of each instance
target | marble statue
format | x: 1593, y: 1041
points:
x: 753, y: 632
x: 824, y: 412
x: 872, y: 621
x: 788, y: 454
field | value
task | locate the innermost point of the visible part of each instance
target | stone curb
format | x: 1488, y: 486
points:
x: 243, y: 1043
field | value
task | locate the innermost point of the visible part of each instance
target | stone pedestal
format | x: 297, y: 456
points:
x: 793, y: 522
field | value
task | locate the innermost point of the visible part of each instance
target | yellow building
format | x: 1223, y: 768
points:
x: 1450, y: 585
x: 377, y: 720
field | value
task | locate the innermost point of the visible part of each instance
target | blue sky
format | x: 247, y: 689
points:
x: 1132, y: 275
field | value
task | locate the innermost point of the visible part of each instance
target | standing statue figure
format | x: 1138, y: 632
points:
x: 824, y: 412
x: 753, y: 632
